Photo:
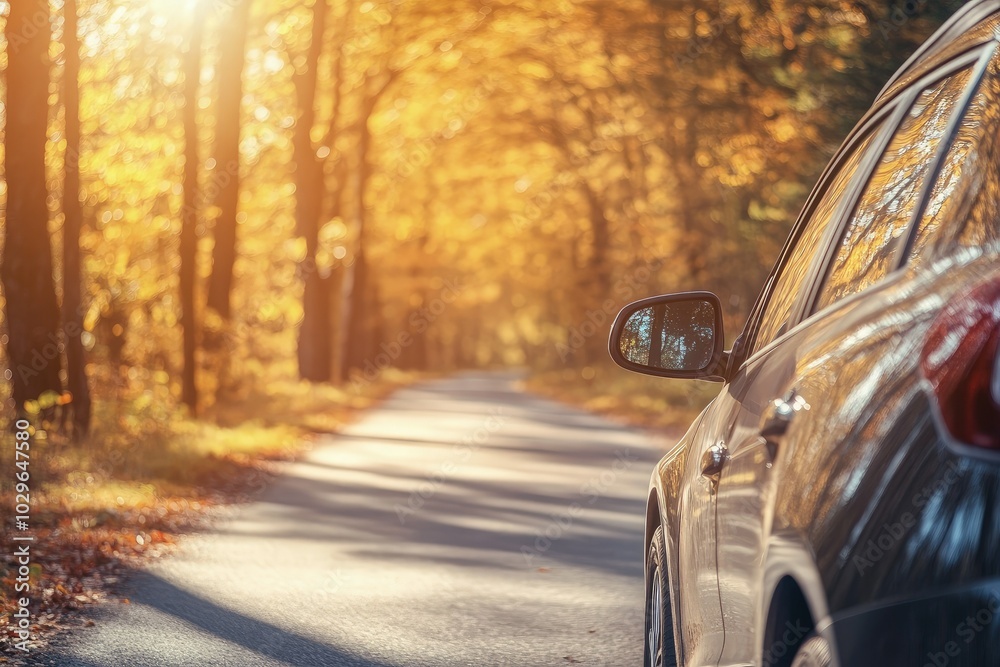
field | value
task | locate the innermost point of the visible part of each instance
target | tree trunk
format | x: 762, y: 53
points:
x: 189, y: 215
x: 314, y: 346
x: 691, y: 201
x: 414, y: 357
x: 231, y: 63
x: 76, y: 369
x: 338, y: 273
x: 361, y: 324
x: 656, y: 337
x: 32, y: 307
x: 599, y: 265
x: 357, y: 345
x: 315, y: 350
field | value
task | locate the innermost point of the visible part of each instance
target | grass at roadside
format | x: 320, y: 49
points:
x: 147, y: 474
x: 637, y: 399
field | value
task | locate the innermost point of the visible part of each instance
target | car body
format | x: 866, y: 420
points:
x: 839, y: 502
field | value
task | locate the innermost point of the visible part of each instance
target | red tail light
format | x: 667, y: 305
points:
x: 961, y: 359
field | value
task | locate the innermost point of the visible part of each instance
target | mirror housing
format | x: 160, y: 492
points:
x: 675, y: 336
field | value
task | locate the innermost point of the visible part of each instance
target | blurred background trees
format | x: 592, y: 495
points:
x: 224, y: 192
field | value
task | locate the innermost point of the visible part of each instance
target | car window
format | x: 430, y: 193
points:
x: 777, y: 314
x: 870, y: 241
x: 963, y: 209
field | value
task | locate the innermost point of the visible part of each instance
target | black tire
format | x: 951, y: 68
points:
x: 815, y: 652
x: 663, y: 655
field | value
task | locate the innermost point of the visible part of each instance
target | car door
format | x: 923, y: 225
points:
x: 855, y: 231
x: 701, y: 610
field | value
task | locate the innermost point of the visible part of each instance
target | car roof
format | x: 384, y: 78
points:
x: 952, y: 38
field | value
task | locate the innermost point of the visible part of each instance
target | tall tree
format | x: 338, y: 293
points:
x: 337, y: 166
x: 362, y: 322
x: 314, y: 345
x: 189, y: 213
x: 32, y: 307
x: 76, y: 368
x: 232, y: 60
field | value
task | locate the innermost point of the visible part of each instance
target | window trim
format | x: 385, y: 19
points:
x: 982, y: 68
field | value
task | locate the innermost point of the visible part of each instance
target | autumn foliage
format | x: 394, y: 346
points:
x: 208, y: 200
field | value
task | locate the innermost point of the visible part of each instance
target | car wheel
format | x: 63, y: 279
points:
x: 659, y: 637
x: 815, y: 652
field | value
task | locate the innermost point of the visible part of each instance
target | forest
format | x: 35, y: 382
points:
x: 229, y: 213
x: 205, y: 194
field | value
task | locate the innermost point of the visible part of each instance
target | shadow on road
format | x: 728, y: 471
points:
x: 551, y: 486
x: 258, y: 636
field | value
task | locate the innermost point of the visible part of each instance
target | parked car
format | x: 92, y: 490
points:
x: 838, y: 503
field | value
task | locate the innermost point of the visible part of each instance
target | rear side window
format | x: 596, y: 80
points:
x: 867, y: 249
x: 777, y: 314
x: 963, y: 209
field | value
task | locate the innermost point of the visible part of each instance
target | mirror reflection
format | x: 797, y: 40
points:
x: 677, y: 336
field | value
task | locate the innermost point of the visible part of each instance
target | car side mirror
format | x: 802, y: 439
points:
x: 674, y: 336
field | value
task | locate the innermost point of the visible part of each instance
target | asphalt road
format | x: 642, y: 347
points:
x: 462, y: 523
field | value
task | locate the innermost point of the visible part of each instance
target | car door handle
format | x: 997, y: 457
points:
x: 778, y: 416
x: 713, y: 460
